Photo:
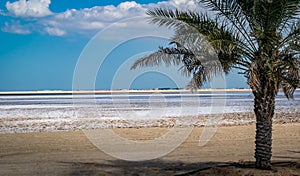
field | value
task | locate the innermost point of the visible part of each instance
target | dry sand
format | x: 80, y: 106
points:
x: 71, y: 153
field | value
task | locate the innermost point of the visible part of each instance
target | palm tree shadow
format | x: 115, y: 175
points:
x: 293, y: 151
x: 120, y: 167
x: 289, y: 157
x: 162, y: 167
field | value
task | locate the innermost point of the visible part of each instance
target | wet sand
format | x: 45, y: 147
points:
x: 229, y: 152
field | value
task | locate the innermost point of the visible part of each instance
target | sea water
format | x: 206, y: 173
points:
x: 54, y: 112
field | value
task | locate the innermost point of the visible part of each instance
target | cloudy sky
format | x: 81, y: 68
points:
x: 42, y: 42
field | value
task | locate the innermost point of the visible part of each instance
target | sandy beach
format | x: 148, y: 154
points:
x: 229, y: 152
x: 42, y: 135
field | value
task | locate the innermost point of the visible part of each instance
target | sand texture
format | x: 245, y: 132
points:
x: 229, y: 152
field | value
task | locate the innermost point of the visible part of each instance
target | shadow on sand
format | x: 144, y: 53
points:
x: 295, y: 157
x: 161, y: 167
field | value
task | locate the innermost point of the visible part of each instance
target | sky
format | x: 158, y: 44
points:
x: 85, y: 44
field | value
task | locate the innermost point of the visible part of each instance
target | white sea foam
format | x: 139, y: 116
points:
x: 68, y: 112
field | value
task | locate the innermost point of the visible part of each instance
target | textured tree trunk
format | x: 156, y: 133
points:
x: 264, y: 106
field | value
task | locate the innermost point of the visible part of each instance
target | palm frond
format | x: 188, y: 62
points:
x: 167, y: 56
x: 201, y: 23
x: 199, y: 78
x: 204, y: 73
x: 290, y: 9
x: 252, y: 75
x: 165, y: 17
x: 206, y: 33
x: 292, y: 34
x: 236, y: 16
x: 289, y: 73
x: 202, y: 68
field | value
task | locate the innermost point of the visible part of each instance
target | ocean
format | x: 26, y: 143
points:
x: 27, y: 113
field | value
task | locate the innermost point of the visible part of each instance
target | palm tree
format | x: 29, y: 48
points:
x: 258, y: 37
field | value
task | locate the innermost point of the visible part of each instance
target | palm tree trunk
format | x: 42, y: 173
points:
x: 264, y: 106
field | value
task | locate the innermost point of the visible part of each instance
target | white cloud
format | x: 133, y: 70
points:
x: 55, y: 31
x: 15, y: 27
x: 179, y: 4
x: 85, y: 21
x: 125, y: 6
x: 30, y: 8
x: 91, y: 20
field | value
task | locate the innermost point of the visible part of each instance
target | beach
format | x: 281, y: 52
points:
x: 142, y: 88
x: 57, y: 134
x: 71, y: 153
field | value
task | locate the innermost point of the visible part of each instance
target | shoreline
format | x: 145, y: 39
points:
x: 28, y: 125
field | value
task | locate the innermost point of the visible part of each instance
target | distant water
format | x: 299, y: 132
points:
x: 32, y: 109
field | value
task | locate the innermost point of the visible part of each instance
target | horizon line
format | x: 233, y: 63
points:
x: 29, y: 92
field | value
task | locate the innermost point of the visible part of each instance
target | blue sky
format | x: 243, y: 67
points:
x: 42, y: 41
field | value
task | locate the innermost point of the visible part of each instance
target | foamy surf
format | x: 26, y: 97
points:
x: 28, y: 113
